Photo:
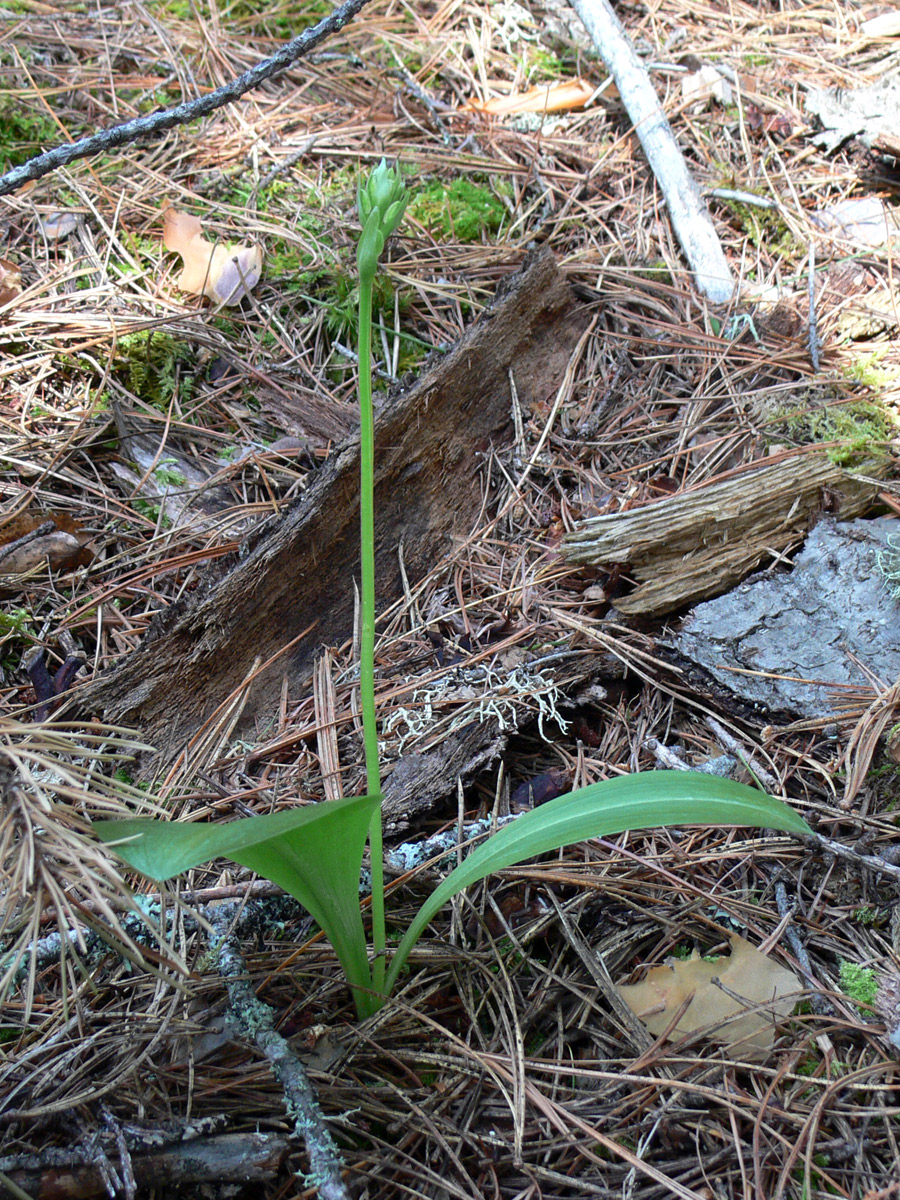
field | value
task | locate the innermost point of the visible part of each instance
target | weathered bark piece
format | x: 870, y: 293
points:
x: 871, y: 114
x: 786, y: 643
x: 431, y: 443
x: 700, y: 543
x: 419, y: 781
x: 239, y: 1158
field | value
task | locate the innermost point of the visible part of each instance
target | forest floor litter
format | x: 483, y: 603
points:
x: 623, y: 528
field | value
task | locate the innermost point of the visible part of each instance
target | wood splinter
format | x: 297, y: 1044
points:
x: 702, y: 542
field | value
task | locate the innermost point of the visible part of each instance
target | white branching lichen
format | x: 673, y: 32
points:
x: 480, y: 693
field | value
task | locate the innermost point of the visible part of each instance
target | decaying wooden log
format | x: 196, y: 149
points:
x: 431, y: 442
x: 239, y: 1158
x: 700, y: 543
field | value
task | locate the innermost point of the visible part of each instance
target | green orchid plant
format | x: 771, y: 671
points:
x: 315, y: 853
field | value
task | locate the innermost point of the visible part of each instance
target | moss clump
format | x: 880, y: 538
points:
x: 859, y: 983
x: 24, y: 132
x: 868, y: 370
x: 867, y: 915
x: 860, y: 429
x: 281, y: 20
x: 149, y: 361
x: 464, y: 211
x: 543, y: 66
x: 657, y: 271
x: 764, y: 228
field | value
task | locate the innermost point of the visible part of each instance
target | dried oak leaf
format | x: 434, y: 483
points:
x: 557, y: 97
x: 224, y: 274
x: 747, y: 973
x: 30, y: 541
x: 10, y: 281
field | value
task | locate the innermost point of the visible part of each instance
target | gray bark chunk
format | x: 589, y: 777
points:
x: 869, y: 113
x: 786, y: 643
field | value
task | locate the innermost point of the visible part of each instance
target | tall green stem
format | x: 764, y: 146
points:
x: 381, y: 200
x: 367, y: 623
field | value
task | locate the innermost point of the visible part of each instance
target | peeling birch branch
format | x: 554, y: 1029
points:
x: 690, y: 217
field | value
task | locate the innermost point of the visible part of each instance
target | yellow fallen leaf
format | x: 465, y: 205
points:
x: 557, y: 97
x: 225, y: 275
x: 747, y: 973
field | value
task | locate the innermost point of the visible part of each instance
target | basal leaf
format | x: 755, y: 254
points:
x: 640, y: 801
x: 314, y: 853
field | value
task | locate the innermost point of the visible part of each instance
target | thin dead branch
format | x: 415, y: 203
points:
x: 689, y: 214
x: 255, y: 1021
x: 160, y: 122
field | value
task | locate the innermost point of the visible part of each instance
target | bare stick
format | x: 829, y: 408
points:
x: 73, y: 1174
x: 819, y: 1004
x: 690, y: 216
x: 181, y: 114
x: 813, y: 324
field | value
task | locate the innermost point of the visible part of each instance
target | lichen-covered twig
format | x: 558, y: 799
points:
x: 254, y: 1021
x: 181, y: 114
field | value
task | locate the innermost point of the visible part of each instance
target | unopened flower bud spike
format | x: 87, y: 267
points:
x: 381, y: 201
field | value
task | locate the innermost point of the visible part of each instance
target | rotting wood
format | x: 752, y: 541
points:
x: 417, y: 780
x: 431, y: 443
x: 698, y: 544
x: 231, y: 1158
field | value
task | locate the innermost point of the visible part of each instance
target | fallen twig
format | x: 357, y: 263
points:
x: 813, y: 339
x: 254, y: 1021
x: 181, y: 114
x: 690, y: 216
x: 785, y: 909
x: 232, y: 1158
x: 874, y: 862
x: 765, y: 777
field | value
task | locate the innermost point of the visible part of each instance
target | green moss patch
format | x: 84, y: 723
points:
x: 149, y: 361
x: 461, y: 211
x: 859, y: 430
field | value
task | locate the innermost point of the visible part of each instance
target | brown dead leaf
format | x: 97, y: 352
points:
x: 30, y: 541
x: 224, y: 275
x: 558, y: 97
x: 10, y: 281
x: 747, y: 973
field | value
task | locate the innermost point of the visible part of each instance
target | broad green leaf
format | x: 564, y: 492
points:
x: 314, y: 853
x: 600, y: 810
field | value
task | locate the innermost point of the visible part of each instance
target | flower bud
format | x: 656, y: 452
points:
x: 371, y: 244
x: 381, y: 201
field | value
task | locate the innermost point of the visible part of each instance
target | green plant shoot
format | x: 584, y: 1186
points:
x: 316, y: 853
x: 381, y: 201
